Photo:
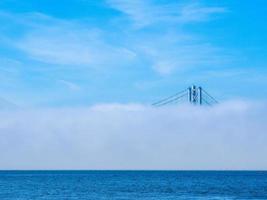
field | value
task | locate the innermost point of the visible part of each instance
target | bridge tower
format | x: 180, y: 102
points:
x: 195, y: 95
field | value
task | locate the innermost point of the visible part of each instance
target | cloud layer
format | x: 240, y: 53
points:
x: 57, y: 41
x: 228, y: 136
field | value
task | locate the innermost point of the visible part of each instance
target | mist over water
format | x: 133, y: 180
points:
x: 231, y: 135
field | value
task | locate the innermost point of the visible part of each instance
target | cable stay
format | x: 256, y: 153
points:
x: 210, y: 96
x: 168, y: 98
x: 170, y: 101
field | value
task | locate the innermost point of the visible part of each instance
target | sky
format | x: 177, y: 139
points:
x: 84, y: 52
x: 78, y: 78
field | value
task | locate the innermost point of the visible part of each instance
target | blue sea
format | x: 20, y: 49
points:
x: 142, y: 185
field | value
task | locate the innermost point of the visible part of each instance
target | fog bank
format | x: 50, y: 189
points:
x: 231, y: 135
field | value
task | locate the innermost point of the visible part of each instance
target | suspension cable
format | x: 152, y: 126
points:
x: 171, y: 100
x: 170, y: 97
x: 210, y: 96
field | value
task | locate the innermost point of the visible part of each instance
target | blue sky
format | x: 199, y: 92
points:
x: 84, y: 52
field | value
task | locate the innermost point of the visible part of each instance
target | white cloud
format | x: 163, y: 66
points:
x: 85, y: 46
x: 227, y: 136
x: 63, y: 42
x: 145, y: 13
x: 173, y: 50
x: 198, y: 13
x: 71, y: 45
x: 178, y: 54
x: 136, y: 10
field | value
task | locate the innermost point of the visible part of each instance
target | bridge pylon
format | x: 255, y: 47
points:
x: 195, y: 95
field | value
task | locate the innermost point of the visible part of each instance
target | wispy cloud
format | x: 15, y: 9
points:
x: 197, y: 13
x: 149, y: 12
x: 72, y: 86
x: 175, y: 49
x: 69, y: 44
x: 173, y: 53
x: 65, y: 42
x: 61, y: 42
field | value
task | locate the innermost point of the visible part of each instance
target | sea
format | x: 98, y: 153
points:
x: 140, y: 185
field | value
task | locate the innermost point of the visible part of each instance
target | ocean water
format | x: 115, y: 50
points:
x: 142, y: 185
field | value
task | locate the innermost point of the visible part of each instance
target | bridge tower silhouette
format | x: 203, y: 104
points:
x: 193, y: 95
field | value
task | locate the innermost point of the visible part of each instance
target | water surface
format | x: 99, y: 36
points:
x: 123, y: 185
